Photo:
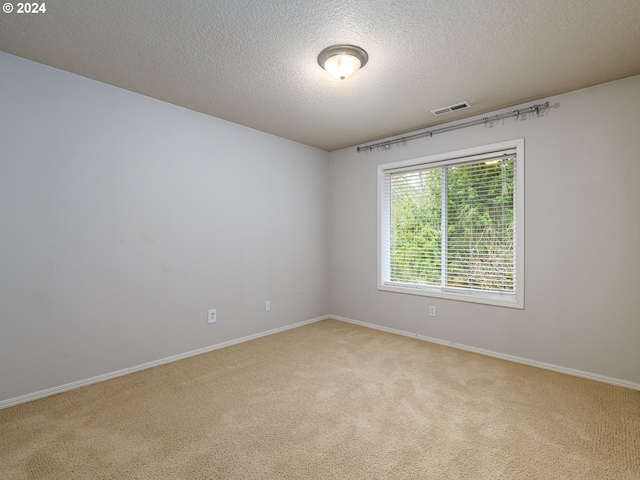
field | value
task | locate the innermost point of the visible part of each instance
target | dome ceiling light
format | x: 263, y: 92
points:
x: 342, y: 61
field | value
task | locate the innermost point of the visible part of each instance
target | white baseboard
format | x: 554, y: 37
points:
x: 107, y: 376
x: 125, y: 371
x: 489, y: 353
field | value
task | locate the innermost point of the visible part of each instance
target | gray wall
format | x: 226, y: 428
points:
x: 123, y: 219
x: 582, y: 236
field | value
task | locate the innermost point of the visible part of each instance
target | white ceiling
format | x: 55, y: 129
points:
x: 253, y: 62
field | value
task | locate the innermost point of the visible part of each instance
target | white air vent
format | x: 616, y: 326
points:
x: 450, y: 108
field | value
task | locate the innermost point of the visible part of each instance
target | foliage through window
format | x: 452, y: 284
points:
x: 449, y: 225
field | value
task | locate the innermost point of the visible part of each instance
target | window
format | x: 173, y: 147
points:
x: 451, y: 225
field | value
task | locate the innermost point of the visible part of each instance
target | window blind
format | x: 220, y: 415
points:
x: 451, y: 225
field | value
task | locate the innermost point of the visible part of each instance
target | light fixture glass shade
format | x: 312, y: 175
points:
x: 342, y: 61
x: 342, y: 66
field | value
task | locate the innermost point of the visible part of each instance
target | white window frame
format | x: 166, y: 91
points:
x: 513, y: 301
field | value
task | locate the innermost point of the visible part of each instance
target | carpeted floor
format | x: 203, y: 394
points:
x: 329, y: 401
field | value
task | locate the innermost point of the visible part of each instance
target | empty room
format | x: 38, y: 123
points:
x: 320, y: 240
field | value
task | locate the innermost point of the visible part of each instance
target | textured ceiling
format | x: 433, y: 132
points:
x: 254, y: 62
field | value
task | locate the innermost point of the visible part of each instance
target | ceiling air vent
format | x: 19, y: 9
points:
x: 450, y: 108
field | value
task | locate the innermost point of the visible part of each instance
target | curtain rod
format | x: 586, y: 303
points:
x: 387, y: 143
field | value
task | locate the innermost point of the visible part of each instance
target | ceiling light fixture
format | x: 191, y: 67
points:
x: 342, y: 61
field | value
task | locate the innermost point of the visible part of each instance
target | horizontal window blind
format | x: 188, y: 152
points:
x: 451, y: 226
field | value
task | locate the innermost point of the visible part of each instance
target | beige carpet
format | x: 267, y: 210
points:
x: 329, y: 401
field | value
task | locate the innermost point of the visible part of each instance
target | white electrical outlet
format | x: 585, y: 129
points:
x: 432, y: 310
x: 212, y: 316
x: 267, y: 306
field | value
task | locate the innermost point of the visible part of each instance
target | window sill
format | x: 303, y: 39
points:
x: 472, y: 297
